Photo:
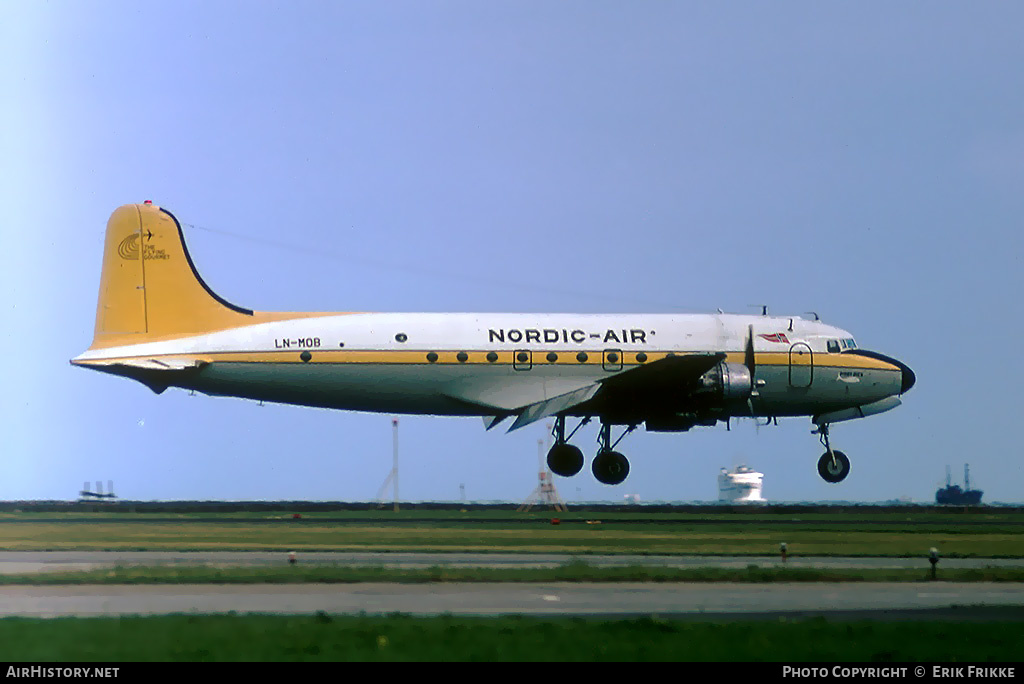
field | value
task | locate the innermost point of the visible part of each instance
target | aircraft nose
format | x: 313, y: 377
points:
x: 909, y: 378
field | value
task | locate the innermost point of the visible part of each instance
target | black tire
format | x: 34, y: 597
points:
x: 610, y: 467
x: 565, y: 460
x: 833, y: 472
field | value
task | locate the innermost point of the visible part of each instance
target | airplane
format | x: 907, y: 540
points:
x: 158, y: 322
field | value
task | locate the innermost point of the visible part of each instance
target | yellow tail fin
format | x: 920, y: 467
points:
x: 149, y: 288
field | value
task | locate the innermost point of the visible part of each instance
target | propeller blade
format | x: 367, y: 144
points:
x: 748, y: 356
x: 748, y: 361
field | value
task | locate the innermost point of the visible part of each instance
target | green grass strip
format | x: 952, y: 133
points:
x: 403, y: 638
x: 602, y: 539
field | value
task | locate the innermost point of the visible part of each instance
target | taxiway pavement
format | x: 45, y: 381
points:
x: 12, y: 562
x: 671, y: 600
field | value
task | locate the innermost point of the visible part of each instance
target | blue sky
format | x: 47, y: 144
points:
x: 862, y: 161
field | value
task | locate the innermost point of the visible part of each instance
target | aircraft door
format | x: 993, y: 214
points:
x: 801, y: 365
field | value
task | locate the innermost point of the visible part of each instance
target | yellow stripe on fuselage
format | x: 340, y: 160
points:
x: 479, y: 358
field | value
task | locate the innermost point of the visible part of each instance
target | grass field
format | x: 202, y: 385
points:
x: 403, y: 638
x: 830, y: 516
x: 964, y: 533
x: 910, y: 534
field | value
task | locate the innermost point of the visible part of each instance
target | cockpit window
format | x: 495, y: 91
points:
x: 833, y: 346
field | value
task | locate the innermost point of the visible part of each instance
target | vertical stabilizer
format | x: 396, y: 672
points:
x: 122, y: 304
x: 149, y: 288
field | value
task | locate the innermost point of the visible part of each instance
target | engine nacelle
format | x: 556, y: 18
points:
x: 729, y: 381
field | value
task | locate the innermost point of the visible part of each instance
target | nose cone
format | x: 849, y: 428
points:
x: 909, y: 377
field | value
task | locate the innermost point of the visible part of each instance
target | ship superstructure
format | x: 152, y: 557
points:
x: 742, y: 485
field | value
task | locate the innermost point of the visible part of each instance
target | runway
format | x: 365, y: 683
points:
x: 12, y: 562
x: 887, y: 601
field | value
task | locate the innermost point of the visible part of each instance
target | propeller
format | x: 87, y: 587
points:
x: 748, y: 354
x: 748, y: 361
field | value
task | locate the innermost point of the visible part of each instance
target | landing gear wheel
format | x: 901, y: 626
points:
x: 565, y: 460
x: 833, y: 467
x: 610, y: 467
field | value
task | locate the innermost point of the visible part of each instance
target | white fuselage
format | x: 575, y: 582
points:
x: 477, y: 364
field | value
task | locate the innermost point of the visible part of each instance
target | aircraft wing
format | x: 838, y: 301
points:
x: 653, y: 385
x: 667, y: 374
x: 549, y: 407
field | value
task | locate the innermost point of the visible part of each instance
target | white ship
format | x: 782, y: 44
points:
x: 742, y: 485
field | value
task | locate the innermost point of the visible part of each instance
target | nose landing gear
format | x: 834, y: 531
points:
x: 833, y: 466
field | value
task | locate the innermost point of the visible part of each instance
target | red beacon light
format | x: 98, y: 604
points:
x: 148, y: 202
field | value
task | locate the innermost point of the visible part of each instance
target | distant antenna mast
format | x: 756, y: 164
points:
x: 545, y: 492
x: 393, y: 475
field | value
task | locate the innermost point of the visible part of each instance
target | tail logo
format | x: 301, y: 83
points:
x: 128, y: 249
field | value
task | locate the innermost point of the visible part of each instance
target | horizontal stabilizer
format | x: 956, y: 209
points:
x: 549, y: 407
x: 153, y: 364
x: 156, y: 374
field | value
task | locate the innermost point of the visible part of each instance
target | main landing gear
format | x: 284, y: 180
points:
x: 609, y: 467
x: 833, y: 466
x: 565, y: 459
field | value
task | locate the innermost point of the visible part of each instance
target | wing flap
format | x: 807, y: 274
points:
x: 510, y: 395
x: 549, y: 407
x: 492, y: 421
